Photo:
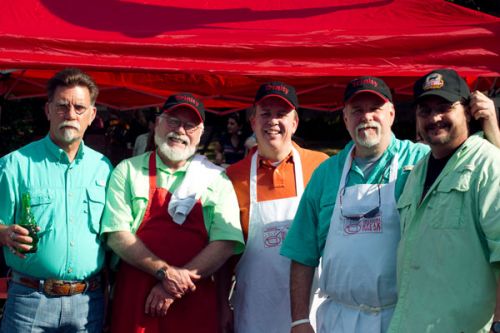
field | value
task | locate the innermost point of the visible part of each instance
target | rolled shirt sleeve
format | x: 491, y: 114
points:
x: 8, y: 194
x: 220, y: 208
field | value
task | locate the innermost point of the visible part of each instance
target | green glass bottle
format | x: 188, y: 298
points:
x: 28, y: 222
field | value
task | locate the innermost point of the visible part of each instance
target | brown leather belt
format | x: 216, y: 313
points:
x: 53, y: 287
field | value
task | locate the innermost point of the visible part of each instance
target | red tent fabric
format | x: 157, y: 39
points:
x: 140, y: 51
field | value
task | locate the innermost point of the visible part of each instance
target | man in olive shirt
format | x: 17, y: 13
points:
x: 58, y: 288
x: 450, y: 212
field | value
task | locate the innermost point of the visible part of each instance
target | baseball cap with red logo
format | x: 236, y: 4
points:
x: 185, y: 99
x: 369, y: 84
x: 278, y: 89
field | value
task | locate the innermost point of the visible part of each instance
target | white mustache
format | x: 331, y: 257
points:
x: 368, y: 124
x: 185, y: 140
x: 70, y: 123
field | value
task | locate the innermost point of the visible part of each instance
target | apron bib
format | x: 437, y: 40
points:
x: 359, y: 259
x: 177, y: 245
x: 262, y: 295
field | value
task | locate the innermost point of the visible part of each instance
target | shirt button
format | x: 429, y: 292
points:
x: 70, y: 194
x: 71, y: 243
x: 70, y: 220
x: 70, y: 270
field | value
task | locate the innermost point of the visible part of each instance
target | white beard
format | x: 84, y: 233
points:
x: 174, y: 154
x: 368, y: 141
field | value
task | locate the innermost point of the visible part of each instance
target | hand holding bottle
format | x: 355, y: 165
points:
x: 28, y: 223
x: 17, y: 239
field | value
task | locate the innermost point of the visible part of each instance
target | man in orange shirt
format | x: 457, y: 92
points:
x: 269, y: 183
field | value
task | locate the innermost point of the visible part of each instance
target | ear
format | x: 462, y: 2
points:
x: 392, y: 114
x: 344, y: 115
x: 47, y: 111
x: 296, y: 122
x: 92, y: 115
x: 252, y: 122
x: 468, y: 113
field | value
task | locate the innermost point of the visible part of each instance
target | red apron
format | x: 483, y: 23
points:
x: 177, y: 245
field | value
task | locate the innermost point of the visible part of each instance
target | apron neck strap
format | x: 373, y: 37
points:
x: 152, y: 170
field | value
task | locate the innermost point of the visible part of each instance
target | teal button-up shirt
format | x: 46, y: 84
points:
x: 450, y: 246
x: 67, y: 200
x: 306, y: 238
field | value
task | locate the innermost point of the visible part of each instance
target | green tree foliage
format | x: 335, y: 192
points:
x: 21, y: 122
x: 491, y: 7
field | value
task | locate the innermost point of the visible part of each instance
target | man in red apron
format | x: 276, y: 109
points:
x: 269, y: 183
x: 172, y: 218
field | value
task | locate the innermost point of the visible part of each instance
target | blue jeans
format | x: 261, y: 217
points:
x: 29, y: 310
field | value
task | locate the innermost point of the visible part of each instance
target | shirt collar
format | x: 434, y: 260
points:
x: 163, y: 167
x: 464, y: 147
x: 59, y: 154
x: 265, y: 162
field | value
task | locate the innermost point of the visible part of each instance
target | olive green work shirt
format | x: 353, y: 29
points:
x: 450, y: 246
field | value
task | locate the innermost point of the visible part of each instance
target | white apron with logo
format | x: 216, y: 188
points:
x: 359, y: 260
x: 262, y: 294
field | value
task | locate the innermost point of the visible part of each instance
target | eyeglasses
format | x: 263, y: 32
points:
x: 356, y: 217
x: 175, y: 123
x: 63, y: 108
x: 424, y: 111
x: 368, y: 215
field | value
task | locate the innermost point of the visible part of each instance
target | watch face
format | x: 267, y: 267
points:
x: 160, y: 274
x: 496, y: 327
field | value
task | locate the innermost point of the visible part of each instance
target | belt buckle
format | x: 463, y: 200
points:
x: 73, y: 288
x: 60, y: 288
x: 48, y: 287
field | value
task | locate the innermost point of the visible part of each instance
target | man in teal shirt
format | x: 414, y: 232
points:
x: 348, y: 217
x: 338, y: 217
x: 449, y: 253
x: 57, y: 288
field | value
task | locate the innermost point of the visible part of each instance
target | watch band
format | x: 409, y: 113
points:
x: 161, y: 273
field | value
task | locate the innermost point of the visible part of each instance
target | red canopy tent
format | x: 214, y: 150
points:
x: 140, y: 51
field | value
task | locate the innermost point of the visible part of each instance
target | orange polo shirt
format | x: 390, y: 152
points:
x: 272, y: 182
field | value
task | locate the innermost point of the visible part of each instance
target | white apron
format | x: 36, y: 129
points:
x: 359, y: 260
x: 262, y: 294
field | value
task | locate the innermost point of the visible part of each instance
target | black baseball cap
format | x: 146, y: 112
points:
x: 369, y: 84
x: 278, y: 89
x: 185, y: 99
x: 445, y: 83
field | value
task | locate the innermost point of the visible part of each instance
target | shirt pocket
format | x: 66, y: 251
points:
x: 405, y: 208
x: 96, y: 198
x: 42, y: 207
x: 446, y: 204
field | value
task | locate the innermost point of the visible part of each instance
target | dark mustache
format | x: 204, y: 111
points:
x: 438, y: 125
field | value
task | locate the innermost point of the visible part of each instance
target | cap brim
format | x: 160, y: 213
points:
x: 376, y: 93
x: 452, y: 98
x: 184, y: 104
x: 276, y: 95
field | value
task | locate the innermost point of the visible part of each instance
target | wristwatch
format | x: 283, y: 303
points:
x: 495, y: 327
x: 161, y: 273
